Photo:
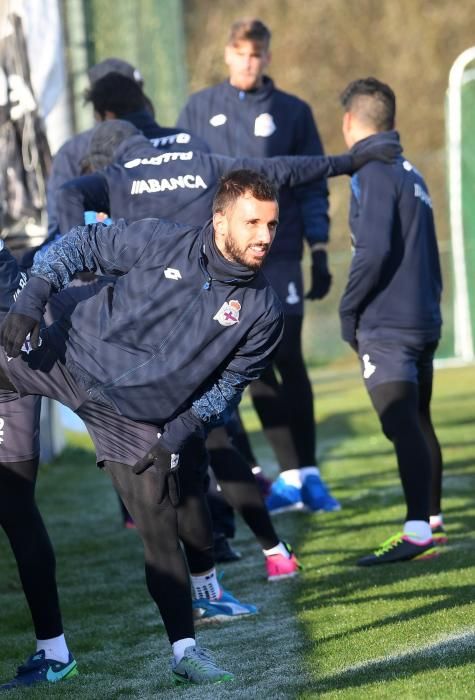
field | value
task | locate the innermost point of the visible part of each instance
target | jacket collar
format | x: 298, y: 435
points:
x: 258, y: 95
x: 215, y: 266
x: 144, y: 121
x: 379, y: 138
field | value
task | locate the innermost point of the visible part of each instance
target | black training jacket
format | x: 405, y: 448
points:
x: 67, y: 161
x: 178, y: 336
x: 395, y: 283
x: 261, y: 123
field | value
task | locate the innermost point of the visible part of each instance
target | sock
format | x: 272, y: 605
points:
x: 278, y: 549
x: 417, y: 530
x: 55, y: 648
x: 436, y: 520
x: 292, y: 477
x: 179, y: 647
x: 206, y: 586
x: 256, y: 470
x: 308, y: 471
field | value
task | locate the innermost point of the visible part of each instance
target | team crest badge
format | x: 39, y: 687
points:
x: 264, y: 125
x: 228, y: 314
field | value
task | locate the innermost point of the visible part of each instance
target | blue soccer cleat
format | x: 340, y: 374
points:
x: 38, y: 669
x: 316, y: 495
x: 226, y: 608
x: 283, y: 498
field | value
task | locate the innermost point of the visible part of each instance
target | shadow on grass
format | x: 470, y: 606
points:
x: 452, y: 652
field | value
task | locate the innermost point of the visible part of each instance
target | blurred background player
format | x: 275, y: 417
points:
x: 116, y: 92
x: 390, y: 312
x: 247, y: 115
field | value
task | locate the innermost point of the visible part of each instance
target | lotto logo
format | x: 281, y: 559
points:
x: 2, y: 423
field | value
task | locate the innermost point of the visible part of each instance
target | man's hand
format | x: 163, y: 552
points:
x: 321, y: 277
x: 15, y: 330
x: 364, y: 151
x: 348, y: 331
x: 166, y: 466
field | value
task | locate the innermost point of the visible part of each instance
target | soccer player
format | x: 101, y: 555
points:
x: 150, y: 363
x: 390, y: 312
x: 247, y: 115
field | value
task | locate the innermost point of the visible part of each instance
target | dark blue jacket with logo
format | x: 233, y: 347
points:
x: 67, y: 161
x: 395, y: 283
x: 261, y: 123
x: 177, y: 337
x: 174, y: 185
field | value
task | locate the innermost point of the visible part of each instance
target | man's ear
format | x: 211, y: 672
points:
x: 219, y: 223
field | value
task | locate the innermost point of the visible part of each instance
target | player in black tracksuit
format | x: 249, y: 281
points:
x: 248, y: 116
x: 113, y: 96
x: 390, y: 311
x: 170, y: 345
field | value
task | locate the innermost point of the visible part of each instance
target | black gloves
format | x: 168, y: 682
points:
x: 14, y: 331
x: 166, y: 467
x: 321, y: 277
x: 25, y: 317
x: 366, y: 150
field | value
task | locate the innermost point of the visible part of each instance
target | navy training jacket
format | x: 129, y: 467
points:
x: 179, y: 186
x: 395, y: 282
x: 261, y: 123
x: 67, y: 161
x: 178, y: 336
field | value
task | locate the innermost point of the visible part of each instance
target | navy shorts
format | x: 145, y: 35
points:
x: 384, y: 361
x: 285, y: 278
x: 19, y: 427
x: 116, y: 438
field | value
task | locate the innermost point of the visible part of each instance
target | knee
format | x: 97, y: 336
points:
x: 397, y: 421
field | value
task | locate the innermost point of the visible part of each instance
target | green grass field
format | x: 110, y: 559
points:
x: 400, y: 631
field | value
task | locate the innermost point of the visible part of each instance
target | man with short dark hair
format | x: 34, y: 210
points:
x: 390, y: 312
x: 247, y: 115
x: 123, y: 360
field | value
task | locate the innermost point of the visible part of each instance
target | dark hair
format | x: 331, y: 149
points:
x: 373, y: 102
x: 237, y: 183
x: 249, y: 30
x: 105, y: 138
x: 117, y: 94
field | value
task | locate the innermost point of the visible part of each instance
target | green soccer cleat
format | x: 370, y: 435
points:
x: 198, y: 666
x: 400, y: 548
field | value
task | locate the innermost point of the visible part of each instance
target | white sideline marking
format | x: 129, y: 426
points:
x: 451, y: 642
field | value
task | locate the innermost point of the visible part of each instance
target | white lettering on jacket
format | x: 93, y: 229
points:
x: 159, y: 160
x: 182, y: 181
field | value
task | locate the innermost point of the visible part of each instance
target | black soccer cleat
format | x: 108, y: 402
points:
x: 399, y: 548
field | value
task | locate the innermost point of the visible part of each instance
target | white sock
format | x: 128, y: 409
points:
x: 179, y: 647
x: 308, y: 471
x: 436, y: 520
x: 291, y: 477
x: 55, y: 648
x: 206, y: 586
x: 418, y: 530
x: 278, y: 549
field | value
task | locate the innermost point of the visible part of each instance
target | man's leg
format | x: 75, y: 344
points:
x: 397, y: 405
x: 302, y: 486
x: 240, y: 489
x: 22, y: 522
x: 425, y: 395
x: 165, y: 566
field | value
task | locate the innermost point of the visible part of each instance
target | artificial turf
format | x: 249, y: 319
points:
x: 398, y: 631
